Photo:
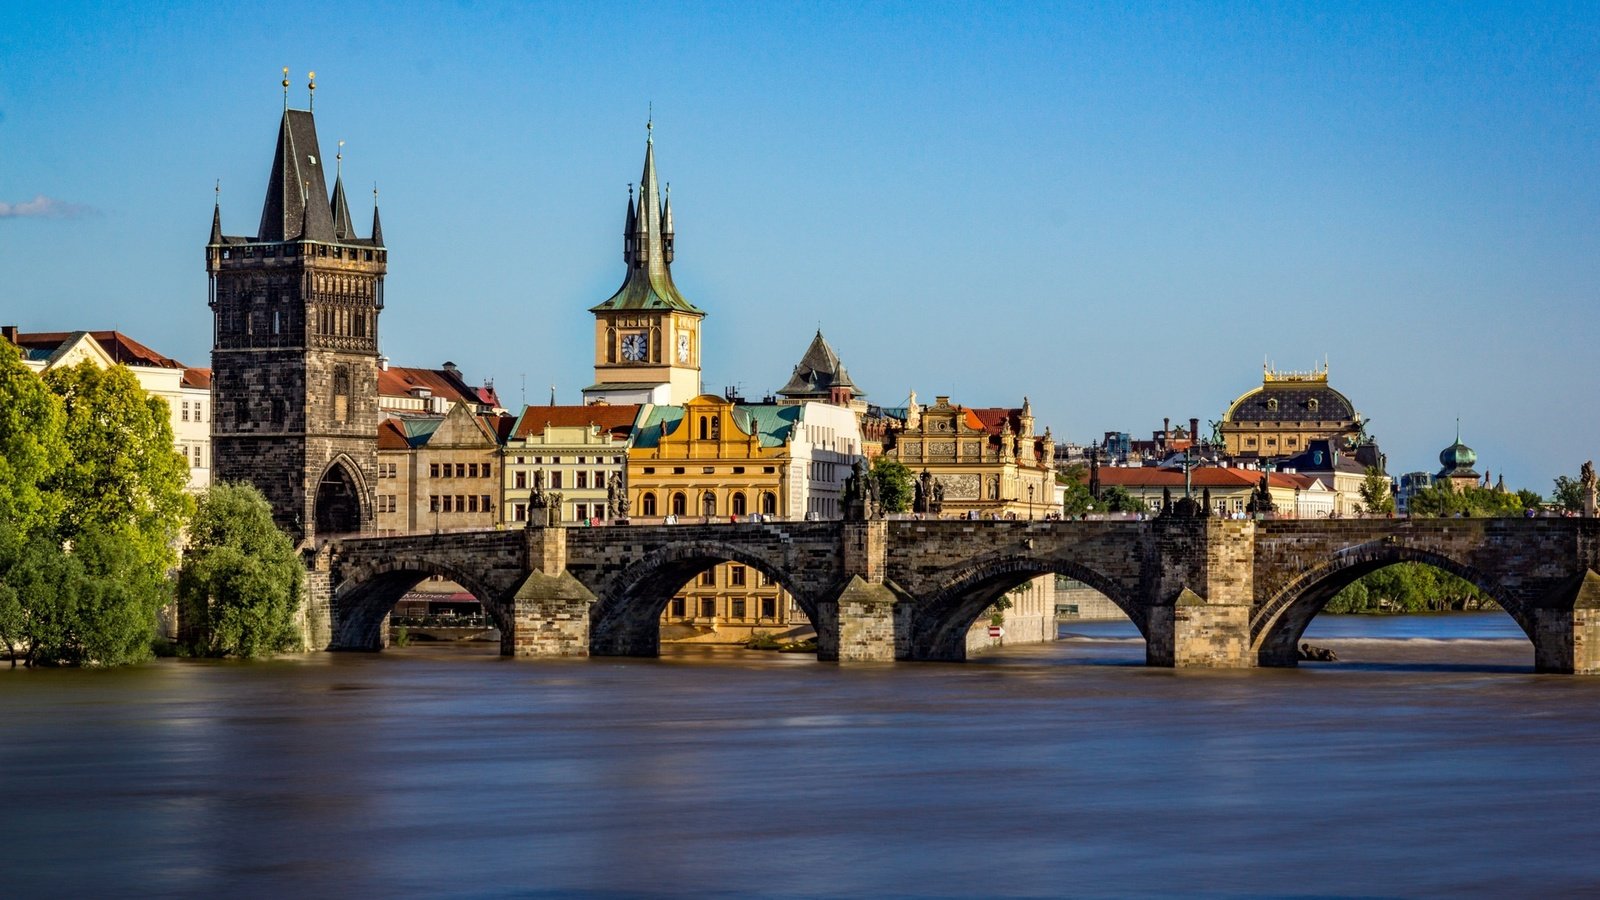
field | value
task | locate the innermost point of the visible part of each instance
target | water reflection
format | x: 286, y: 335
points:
x: 1034, y: 770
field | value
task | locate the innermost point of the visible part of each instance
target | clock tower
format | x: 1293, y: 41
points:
x: 647, y: 336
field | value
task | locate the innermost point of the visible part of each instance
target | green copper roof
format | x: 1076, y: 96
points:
x: 647, y: 248
x: 774, y: 424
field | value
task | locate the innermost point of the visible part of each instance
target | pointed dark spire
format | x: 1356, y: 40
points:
x: 216, y: 217
x: 377, y: 226
x: 666, y: 225
x: 342, y: 227
x: 295, y: 206
x: 820, y: 374
x: 630, y: 224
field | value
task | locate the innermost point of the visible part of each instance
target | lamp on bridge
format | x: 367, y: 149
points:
x: 1030, y: 503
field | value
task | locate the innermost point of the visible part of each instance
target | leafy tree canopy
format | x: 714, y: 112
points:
x: 1375, y: 495
x: 895, y: 484
x: 240, y: 582
x: 1441, y: 499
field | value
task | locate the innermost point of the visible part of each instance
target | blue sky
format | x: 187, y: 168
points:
x: 1117, y: 210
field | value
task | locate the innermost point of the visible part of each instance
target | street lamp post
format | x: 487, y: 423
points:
x: 1030, y: 503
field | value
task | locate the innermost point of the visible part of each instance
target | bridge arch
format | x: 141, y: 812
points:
x: 626, y: 618
x: 367, y: 592
x: 340, y: 500
x: 941, y: 620
x: 1278, y: 624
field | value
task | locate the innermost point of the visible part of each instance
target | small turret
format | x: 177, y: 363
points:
x: 342, y: 227
x: 377, y: 226
x: 666, y: 226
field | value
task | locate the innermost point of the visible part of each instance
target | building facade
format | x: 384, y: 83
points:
x: 575, y: 451
x: 295, y: 346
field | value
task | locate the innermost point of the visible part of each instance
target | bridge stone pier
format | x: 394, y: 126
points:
x: 1205, y: 593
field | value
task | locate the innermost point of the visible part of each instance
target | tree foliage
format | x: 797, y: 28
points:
x: 1114, y: 499
x: 1442, y: 499
x: 93, y: 502
x: 240, y: 582
x: 1409, y: 587
x: 895, y: 484
x: 1568, y: 494
x: 1375, y: 495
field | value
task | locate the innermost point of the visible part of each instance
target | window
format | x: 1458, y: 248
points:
x: 472, y: 470
x: 677, y: 607
x: 520, y: 480
x: 769, y: 469
x: 433, y: 503
x: 769, y: 607
x: 472, y: 504
x: 449, y: 505
x: 708, y: 578
x: 583, y: 460
x: 582, y: 482
x: 708, y: 504
x: 433, y: 470
x: 769, y: 504
x: 197, y: 408
x: 461, y: 503
x: 766, y: 579
x: 677, y: 470
x: 708, y: 470
x: 738, y: 504
x: 487, y: 468
x: 737, y: 608
x: 680, y: 504
x: 736, y: 575
x: 185, y: 410
x: 649, y: 470
x: 461, y: 470
x: 708, y: 607
x: 738, y: 470
x: 519, y: 512
x: 555, y: 480
x: 581, y: 511
x: 647, y: 504
x: 705, y: 427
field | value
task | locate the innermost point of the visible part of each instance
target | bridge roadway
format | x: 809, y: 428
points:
x: 1203, y: 592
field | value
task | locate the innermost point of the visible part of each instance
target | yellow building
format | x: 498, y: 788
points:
x: 986, y: 461
x: 1286, y: 413
x: 711, y: 460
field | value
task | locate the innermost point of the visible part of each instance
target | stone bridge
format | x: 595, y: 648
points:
x: 1203, y: 592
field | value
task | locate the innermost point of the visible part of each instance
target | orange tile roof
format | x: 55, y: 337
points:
x: 616, y: 419
x: 391, y: 436
x: 400, y: 381
x: 197, y: 378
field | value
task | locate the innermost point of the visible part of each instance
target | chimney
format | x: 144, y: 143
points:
x: 1194, y: 430
x: 383, y: 363
x: 9, y: 332
x: 1166, y: 426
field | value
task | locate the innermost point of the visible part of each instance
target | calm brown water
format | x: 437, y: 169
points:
x: 1429, y: 764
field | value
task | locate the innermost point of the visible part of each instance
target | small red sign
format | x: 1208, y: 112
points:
x: 996, y: 631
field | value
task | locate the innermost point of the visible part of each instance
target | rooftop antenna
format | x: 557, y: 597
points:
x: 311, y: 92
x: 285, y: 88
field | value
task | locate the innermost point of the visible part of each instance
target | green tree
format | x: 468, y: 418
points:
x: 84, y: 578
x: 1568, y: 494
x: 1442, y: 499
x: 240, y: 584
x: 1408, y: 587
x: 1119, y: 499
x: 895, y: 484
x: 32, y: 450
x: 1375, y: 496
x: 1077, y: 500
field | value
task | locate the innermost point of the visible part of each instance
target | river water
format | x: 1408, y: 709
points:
x: 1429, y: 761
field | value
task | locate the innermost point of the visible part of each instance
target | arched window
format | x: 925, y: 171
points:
x: 737, y: 503
x: 708, y: 504
x: 648, y: 503
x: 716, y: 427
x: 769, y: 503
x: 611, y: 345
x: 680, y: 504
x: 704, y: 427
x: 341, y: 395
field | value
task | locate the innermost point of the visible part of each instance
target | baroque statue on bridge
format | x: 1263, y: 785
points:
x: 1586, y: 480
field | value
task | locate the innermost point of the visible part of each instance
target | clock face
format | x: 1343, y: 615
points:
x: 635, y: 347
x: 683, y: 348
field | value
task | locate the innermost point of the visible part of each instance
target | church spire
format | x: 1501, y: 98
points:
x: 630, y: 224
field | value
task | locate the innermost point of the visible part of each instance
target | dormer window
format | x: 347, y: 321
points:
x: 1272, y: 404
x: 1312, y: 404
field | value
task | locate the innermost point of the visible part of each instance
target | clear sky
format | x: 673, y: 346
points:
x: 1117, y: 210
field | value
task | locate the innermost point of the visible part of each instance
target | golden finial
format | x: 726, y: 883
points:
x: 311, y: 88
x: 286, y: 87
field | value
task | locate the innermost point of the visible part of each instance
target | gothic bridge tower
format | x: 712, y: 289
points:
x: 294, y: 353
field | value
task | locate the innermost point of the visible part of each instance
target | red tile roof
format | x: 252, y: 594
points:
x: 197, y: 378
x: 391, y: 436
x: 400, y: 381
x: 616, y: 419
x: 121, y: 348
x: 1203, y: 477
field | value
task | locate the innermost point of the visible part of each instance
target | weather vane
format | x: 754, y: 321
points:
x: 286, y: 88
x: 311, y: 89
